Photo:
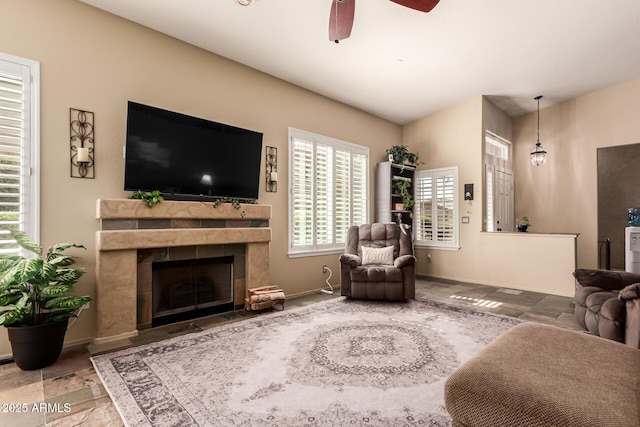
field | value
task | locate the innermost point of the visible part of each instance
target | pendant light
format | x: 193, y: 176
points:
x: 538, y: 155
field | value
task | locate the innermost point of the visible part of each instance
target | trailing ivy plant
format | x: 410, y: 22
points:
x: 402, y: 155
x: 234, y: 202
x: 149, y: 197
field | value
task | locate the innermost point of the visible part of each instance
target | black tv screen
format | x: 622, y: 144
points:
x: 189, y: 158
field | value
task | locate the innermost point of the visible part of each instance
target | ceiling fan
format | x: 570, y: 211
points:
x: 342, y: 11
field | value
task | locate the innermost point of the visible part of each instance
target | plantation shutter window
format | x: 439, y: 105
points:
x: 328, y: 186
x: 359, y: 189
x: 343, y: 194
x: 302, y: 194
x: 436, y: 208
x: 424, y: 208
x: 323, y: 196
x: 19, y: 196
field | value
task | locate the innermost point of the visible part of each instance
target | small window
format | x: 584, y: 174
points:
x: 328, y: 192
x: 496, y: 146
x: 436, y: 208
x: 19, y: 150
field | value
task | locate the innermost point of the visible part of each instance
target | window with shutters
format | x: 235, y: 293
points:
x: 436, y: 208
x: 19, y: 150
x: 328, y: 188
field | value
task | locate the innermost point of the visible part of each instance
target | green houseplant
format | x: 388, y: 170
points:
x: 150, y: 198
x: 523, y: 224
x: 34, y: 306
x: 402, y: 188
x: 402, y: 155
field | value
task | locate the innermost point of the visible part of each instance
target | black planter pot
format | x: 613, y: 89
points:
x: 38, y: 346
x: 522, y: 228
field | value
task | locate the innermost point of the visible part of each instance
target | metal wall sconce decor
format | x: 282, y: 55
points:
x: 82, y: 144
x: 271, y: 168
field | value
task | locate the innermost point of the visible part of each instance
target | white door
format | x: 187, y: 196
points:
x: 503, y: 199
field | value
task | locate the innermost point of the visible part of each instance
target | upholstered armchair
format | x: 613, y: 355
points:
x: 630, y: 295
x: 378, y: 263
x: 601, y: 306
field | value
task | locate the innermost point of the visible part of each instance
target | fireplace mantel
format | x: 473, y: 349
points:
x: 129, y: 225
x: 136, y: 209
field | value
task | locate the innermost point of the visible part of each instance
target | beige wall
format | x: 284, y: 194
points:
x: 558, y: 197
x: 95, y: 61
x: 495, y: 120
x: 454, y: 137
x: 561, y: 195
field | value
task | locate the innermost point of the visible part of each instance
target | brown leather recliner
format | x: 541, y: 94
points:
x: 597, y: 306
x: 377, y: 271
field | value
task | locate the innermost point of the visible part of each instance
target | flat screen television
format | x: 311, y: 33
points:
x: 189, y: 158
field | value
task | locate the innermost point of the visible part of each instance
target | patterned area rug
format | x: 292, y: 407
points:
x: 335, y: 363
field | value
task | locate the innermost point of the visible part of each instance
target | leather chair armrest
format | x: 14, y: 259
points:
x: 404, y: 260
x: 632, y: 322
x: 613, y: 310
x: 605, y: 279
x: 630, y: 292
x: 350, y: 259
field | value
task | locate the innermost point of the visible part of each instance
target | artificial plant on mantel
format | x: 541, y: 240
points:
x: 150, y: 198
x: 401, y: 155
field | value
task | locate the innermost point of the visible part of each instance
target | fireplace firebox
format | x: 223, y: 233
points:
x: 188, y: 289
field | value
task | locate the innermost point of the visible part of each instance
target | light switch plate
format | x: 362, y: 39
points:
x: 465, y: 220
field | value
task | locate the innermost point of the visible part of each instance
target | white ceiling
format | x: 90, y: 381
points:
x: 401, y: 64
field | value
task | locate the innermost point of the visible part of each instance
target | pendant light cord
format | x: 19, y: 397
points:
x: 538, y: 139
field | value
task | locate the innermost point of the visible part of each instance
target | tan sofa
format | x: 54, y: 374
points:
x: 540, y: 375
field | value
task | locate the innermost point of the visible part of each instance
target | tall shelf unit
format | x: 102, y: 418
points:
x: 388, y: 199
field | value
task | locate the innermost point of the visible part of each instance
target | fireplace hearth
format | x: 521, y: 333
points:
x: 189, y: 289
x: 132, y: 237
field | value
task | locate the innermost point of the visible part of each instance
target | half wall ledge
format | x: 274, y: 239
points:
x: 166, y: 225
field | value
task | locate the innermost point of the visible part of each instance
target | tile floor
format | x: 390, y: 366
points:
x: 69, y: 392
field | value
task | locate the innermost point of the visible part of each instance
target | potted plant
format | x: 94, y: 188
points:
x: 33, y: 304
x: 402, y: 188
x: 523, y: 224
x: 401, y: 155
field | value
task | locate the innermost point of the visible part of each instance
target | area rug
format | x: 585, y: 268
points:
x: 335, y: 363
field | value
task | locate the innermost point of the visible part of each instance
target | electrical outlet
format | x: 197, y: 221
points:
x: 324, y: 268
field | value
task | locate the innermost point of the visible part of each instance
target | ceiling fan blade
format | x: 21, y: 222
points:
x: 341, y: 19
x: 421, y: 5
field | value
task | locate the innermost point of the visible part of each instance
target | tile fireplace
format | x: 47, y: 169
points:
x: 132, y: 236
x: 192, y: 288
